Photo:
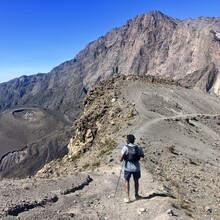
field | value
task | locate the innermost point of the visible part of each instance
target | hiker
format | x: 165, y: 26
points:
x: 130, y: 155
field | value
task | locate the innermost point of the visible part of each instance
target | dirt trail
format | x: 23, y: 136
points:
x: 174, y: 127
x: 80, y: 197
x: 142, y: 130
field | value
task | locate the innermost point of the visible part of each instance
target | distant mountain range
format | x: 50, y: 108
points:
x: 186, y: 51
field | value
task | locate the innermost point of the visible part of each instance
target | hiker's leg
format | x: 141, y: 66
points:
x: 127, y: 176
x: 136, y: 176
x: 136, y: 186
x: 127, y: 187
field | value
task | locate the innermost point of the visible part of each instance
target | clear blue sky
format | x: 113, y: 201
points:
x: 37, y: 35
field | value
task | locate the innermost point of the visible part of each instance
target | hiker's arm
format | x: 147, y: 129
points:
x: 123, y: 153
x: 122, y: 156
x: 141, y: 153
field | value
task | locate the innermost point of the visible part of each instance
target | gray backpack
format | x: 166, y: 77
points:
x: 133, y: 154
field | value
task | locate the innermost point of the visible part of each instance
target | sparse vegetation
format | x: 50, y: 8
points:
x: 107, y: 147
x: 131, y: 114
x: 96, y: 163
x: 85, y: 166
x: 77, y: 156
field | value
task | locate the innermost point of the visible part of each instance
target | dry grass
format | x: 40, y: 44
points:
x: 107, y: 147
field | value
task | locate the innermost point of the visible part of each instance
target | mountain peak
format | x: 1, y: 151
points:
x: 154, y: 19
x: 156, y: 13
x: 159, y: 15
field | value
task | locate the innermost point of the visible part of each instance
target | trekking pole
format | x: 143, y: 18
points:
x: 119, y: 178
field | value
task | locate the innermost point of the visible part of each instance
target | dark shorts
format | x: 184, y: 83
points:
x: 136, y: 175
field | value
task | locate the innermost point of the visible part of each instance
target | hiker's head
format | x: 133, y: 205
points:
x: 130, y: 138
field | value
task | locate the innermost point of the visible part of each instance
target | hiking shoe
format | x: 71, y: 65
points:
x: 137, y: 197
x: 126, y: 199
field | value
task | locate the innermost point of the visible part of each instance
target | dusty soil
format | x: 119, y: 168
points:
x: 88, y: 195
x: 179, y: 131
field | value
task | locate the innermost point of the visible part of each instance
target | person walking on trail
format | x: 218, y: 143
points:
x: 130, y: 156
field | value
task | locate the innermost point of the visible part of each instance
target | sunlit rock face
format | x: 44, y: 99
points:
x: 151, y: 43
x: 187, y: 51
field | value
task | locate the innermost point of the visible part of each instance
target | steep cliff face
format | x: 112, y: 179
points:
x: 157, y: 45
x: 151, y: 43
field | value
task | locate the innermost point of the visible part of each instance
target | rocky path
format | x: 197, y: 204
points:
x: 88, y: 195
x: 180, y: 134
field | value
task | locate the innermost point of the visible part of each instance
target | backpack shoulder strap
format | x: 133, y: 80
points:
x: 126, y: 155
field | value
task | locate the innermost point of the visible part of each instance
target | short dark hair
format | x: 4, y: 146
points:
x: 130, y: 138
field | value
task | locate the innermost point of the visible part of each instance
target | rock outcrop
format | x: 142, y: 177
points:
x: 104, y: 111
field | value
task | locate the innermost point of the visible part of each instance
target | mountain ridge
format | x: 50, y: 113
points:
x: 178, y: 129
x: 150, y: 44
